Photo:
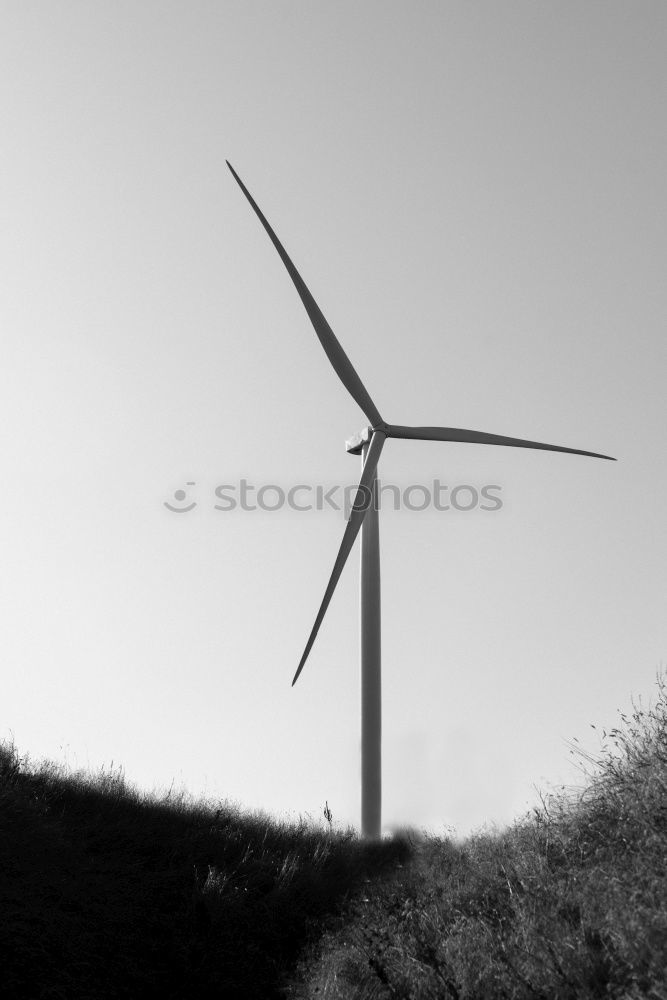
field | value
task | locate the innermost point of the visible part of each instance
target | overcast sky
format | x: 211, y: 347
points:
x: 475, y: 195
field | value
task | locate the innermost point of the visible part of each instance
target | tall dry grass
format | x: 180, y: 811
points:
x: 570, y: 902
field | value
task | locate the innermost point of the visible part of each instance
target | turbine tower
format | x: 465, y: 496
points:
x: 364, y: 517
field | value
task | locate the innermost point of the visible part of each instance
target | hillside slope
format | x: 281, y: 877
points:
x: 570, y: 903
x: 105, y: 893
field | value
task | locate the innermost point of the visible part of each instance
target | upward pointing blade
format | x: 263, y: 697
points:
x: 335, y: 353
x: 359, y: 509
x: 479, y: 437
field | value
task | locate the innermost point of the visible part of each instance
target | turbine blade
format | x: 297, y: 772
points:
x: 337, y: 356
x: 479, y: 437
x: 354, y: 523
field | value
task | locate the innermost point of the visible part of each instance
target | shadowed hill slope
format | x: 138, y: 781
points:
x: 108, y: 894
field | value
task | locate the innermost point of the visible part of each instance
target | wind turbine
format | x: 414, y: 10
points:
x: 369, y: 444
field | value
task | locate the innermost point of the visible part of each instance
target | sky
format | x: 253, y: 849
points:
x: 474, y: 194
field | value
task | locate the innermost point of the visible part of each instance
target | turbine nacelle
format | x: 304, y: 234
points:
x: 355, y: 444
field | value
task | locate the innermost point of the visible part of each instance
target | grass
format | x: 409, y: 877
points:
x: 570, y: 902
x: 107, y: 893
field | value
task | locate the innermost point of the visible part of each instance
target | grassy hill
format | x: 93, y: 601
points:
x: 107, y: 893
x: 569, y: 903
